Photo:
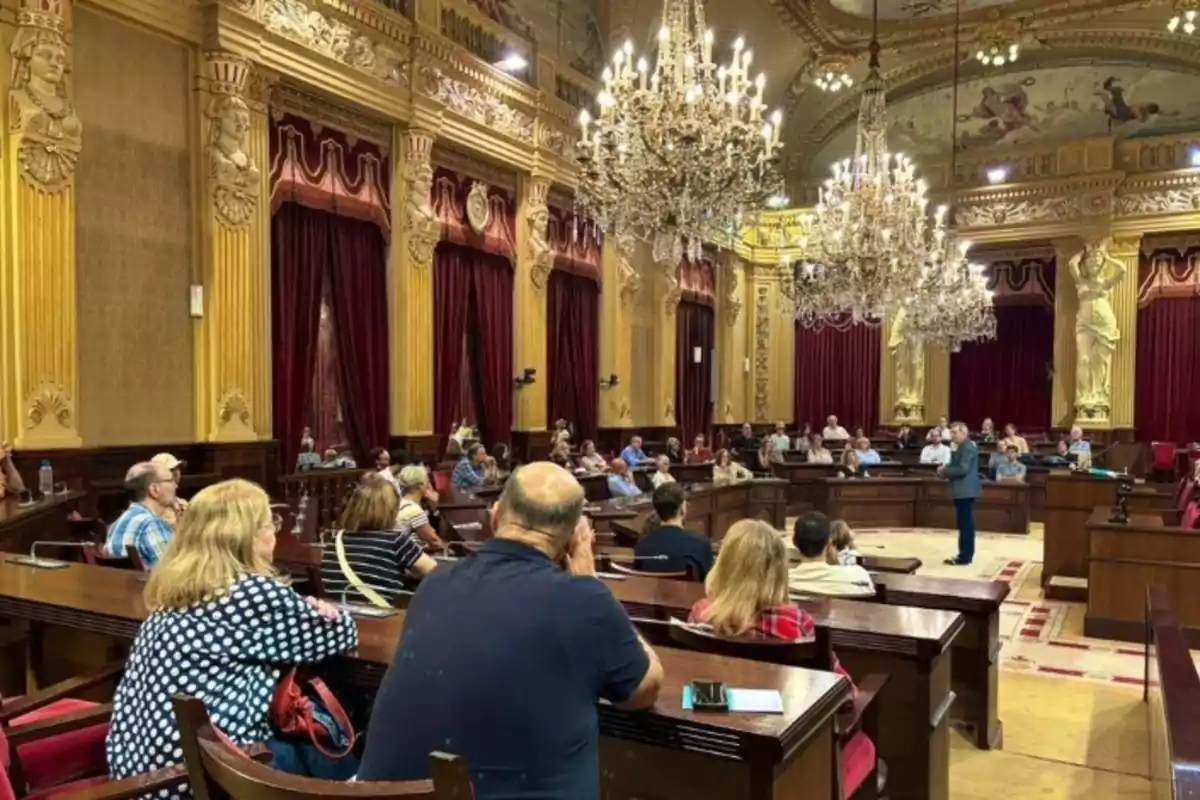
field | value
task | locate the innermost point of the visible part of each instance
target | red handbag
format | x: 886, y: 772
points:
x: 292, y: 713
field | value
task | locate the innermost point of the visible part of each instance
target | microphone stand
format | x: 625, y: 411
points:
x: 35, y: 561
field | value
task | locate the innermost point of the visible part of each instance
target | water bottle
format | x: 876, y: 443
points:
x: 46, y: 478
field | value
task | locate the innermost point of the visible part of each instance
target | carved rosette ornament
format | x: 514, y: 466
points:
x: 479, y: 213
x: 420, y: 224
x: 537, y: 218
x: 46, y: 131
x: 48, y: 404
x: 233, y: 177
x: 233, y: 414
x: 630, y: 282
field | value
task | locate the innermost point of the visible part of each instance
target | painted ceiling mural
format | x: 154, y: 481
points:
x: 912, y: 9
x: 570, y: 26
x: 1070, y: 102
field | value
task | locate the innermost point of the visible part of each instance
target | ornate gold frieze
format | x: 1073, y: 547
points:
x: 1169, y: 195
x: 49, y: 403
x: 297, y: 20
x: 1017, y: 211
x: 477, y: 105
x: 762, y: 354
x: 47, y: 132
x: 630, y: 279
x: 234, y: 178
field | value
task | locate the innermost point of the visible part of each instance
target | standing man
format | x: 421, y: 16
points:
x: 965, y: 486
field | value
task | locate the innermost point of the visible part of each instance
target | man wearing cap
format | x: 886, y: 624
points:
x: 174, y: 466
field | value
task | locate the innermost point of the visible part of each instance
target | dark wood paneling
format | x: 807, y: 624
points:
x: 1173, y: 695
x: 428, y: 447
x: 530, y: 446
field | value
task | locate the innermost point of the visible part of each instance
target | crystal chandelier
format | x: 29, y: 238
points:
x: 831, y: 72
x: 999, y: 44
x: 679, y: 150
x: 952, y: 304
x: 1184, y: 20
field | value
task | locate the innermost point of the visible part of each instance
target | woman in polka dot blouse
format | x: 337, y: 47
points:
x: 222, y: 628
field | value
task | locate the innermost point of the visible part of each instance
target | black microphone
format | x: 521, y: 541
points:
x: 32, y: 560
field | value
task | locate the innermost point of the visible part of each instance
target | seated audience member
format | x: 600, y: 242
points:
x: 814, y: 574
x: 867, y: 455
x: 935, y: 451
x: 804, y: 440
x: 726, y: 470
x: 987, y: 431
x: 221, y: 628
x: 700, y: 453
x: 818, y: 453
x: 684, y: 550
x: 142, y: 526
x: 905, y: 438
x: 1061, y: 455
x: 620, y: 480
x: 842, y: 538
x: 1011, y: 437
x: 384, y: 467
x: 1010, y: 468
x: 850, y: 463
x: 589, y: 459
x: 308, y: 457
x: 833, y: 431
x: 943, y: 427
x: 662, y: 474
x: 562, y: 433
x: 469, y: 472
x: 492, y: 476
x: 333, y: 460
x: 377, y: 553
x: 415, y: 491
x: 175, y: 467
x: 780, y: 442
x: 503, y: 457
x: 516, y: 698
x: 561, y: 454
x: 10, y: 479
x: 306, y: 437
x: 460, y: 434
x: 746, y: 440
x: 773, y: 456
x: 859, y: 433
x: 633, y: 455
x: 1077, y: 444
x: 674, y: 451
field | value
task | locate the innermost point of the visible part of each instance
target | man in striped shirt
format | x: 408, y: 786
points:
x: 142, y: 526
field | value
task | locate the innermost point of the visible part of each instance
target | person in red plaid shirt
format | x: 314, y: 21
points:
x: 747, y: 590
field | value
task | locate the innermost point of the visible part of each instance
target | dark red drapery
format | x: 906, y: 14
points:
x: 573, y: 351
x: 1007, y: 378
x: 473, y: 299
x: 694, y: 328
x: 299, y: 243
x: 1168, y: 348
x: 358, y: 290
x: 837, y: 372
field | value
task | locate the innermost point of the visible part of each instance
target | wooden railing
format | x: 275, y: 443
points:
x: 330, y: 487
x: 1172, y: 694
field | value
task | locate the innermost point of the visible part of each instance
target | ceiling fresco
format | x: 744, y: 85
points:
x: 911, y: 9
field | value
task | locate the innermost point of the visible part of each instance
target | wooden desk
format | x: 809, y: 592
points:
x: 666, y: 752
x: 1123, y: 560
x: 1173, y: 703
x: 44, y: 520
x: 904, y: 502
x: 1070, y: 500
x: 711, y: 508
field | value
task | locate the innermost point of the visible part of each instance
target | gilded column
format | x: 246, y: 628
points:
x: 732, y: 351
x: 535, y: 261
x: 1062, y: 408
x: 618, y: 304
x: 888, y: 413
x: 233, y: 360
x: 937, y: 383
x: 42, y: 138
x: 415, y: 234
x: 1124, y: 297
x: 665, y: 335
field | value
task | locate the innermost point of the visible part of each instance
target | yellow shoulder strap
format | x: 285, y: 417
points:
x: 366, y: 591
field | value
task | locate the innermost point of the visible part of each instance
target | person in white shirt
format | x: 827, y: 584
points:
x: 943, y: 427
x: 663, y: 473
x: 383, y: 465
x: 780, y: 440
x: 815, y: 574
x: 833, y: 431
x: 936, y: 451
x: 817, y: 452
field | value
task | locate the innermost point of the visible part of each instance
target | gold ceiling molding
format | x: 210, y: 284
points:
x: 292, y: 99
x: 300, y: 22
x: 1048, y: 201
x: 463, y: 164
x: 1172, y: 194
x: 440, y: 55
x: 476, y: 105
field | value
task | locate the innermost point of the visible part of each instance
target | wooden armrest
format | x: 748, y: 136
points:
x: 147, y: 783
x: 43, y: 697
x: 869, y: 688
x: 62, y: 723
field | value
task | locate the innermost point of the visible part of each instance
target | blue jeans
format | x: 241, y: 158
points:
x: 964, y: 514
x: 299, y: 757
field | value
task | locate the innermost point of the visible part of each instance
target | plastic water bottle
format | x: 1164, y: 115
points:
x: 46, y: 478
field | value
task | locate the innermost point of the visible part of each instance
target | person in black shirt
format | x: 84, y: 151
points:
x: 683, y: 549
x: 674, y: 451
x: 746, y: 440
x: 905, y: 438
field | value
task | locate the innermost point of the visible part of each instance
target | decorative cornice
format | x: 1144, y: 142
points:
x: 386, y: 60
x: 291, y: 99
x: 477, y: 105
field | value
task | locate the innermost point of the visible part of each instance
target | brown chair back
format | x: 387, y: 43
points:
x: 683, y: 575
x: 814, y: 654
x: 217, y: 771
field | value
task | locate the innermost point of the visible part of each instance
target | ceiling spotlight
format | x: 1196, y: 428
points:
x: 831, y: 72
x: 997, y: 175
x: 1194, y: 157
x: 1184, y: 21
x: 513, y: 62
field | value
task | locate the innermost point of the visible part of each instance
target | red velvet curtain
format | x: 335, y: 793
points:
x: 473, y: 298
x: 573, y: 351
x: 694, y: 328
x: 326, y: 413
x: 299, y: 244
x: 358, y: 290
x: 1007, y: 378
x: 837, y: 372
x: 1168, y: 347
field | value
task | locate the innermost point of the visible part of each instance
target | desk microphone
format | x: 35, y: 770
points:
x: 32, y: 560
x: 621, y: 558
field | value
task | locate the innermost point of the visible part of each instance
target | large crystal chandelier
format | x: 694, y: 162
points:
x: 681, y: 148
x: 953, y: 304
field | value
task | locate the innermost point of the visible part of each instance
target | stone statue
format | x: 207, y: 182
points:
x: 1096, y: 333
x: 49, y: 131
x: 541, y: 254
x: 234, y: 175
x: 423, y: 228
x: 908, y: 355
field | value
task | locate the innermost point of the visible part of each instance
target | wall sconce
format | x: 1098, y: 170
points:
x: 529, y: 377
x: 609, y: 382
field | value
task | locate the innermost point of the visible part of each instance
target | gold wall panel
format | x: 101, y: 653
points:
x: 1066, y: 303
x: 1125, y: 308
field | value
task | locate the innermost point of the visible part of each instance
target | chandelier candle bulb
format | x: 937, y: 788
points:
x: 708, y: 45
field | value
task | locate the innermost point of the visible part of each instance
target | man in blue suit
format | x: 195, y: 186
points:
x: 963, y: 473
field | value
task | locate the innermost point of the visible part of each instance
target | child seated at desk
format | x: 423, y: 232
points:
x: 842, y: 539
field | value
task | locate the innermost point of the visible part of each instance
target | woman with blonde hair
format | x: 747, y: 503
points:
x: 413, y: 483
x: 222, y: 627
x: 368, y: 558
x: 726, y: 470
x: 589, y: 459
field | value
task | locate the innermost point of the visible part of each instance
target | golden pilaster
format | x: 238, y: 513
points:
x: 415, y: 234
x: 1124, y: 300
x: 666, y: 306
x: 732, y: 348
x: 772, y: 349
x: 618, y: 304
x: 41, y: 140
x: 233, y: 339
x: 937, y: 383
x: 535, y: 261
x: 1066, y: 303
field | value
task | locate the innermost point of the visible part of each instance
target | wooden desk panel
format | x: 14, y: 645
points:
x: 871, y: 502
x: 1173, y: 701
x: 805, y: 487
x: 1002, y: 507
x: 44, y: 520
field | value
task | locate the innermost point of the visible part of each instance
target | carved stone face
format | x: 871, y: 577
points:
x: 235, y: 121
x: 48, y: 62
